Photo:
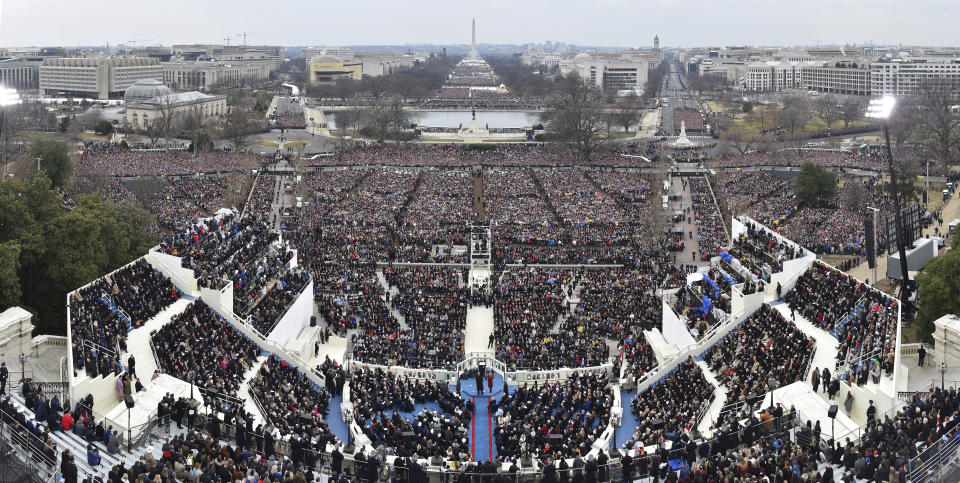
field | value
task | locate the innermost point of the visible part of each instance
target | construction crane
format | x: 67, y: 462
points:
x: 134, y: 42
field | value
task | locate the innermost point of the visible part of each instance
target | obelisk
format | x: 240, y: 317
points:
x: 473, y: 38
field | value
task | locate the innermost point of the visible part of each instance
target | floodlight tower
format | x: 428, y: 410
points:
x: 882, y: 109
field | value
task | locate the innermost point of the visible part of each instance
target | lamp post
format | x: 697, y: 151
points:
x: 23, y: 368
x: 882, y: 109
x: 943, y: 372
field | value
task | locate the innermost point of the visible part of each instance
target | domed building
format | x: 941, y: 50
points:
x: 149, y: 99
x: 583, y: 57
x: 145, y: 89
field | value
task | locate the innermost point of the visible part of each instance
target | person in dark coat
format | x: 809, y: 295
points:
x: 68, y: 469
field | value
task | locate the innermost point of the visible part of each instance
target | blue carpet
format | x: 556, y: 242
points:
x: 481, y: 437
x: 335, y: 419
x: 629, y: 422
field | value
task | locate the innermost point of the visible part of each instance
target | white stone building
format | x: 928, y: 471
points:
x: 901, y: 77
x: 200, y: 76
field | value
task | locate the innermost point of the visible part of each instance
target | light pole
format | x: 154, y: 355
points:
x: 943, y: 372
x: 23, y: 368
x: 39, y: 158
x: 874, y: 214
x: 882, y: 109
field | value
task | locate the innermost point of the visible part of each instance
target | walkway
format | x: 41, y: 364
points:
x: 479, y: 328
x: 692, y: 245
x: 242, y: 391
x: 827, y: 345
x: 482, y: 444
x: 138, y: 340
x: 713, y: 413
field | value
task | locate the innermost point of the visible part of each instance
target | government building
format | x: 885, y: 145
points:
x: 147, y: 101
x: 95, y: 77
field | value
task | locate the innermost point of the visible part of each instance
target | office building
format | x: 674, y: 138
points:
x: 901, y: 77
x: 20, y: 74
x: 203, y: 75
x: 95, y: 77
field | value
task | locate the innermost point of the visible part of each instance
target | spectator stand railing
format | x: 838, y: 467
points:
x: 932, y: 461
x: 27, y: 449
x: 846, y: 319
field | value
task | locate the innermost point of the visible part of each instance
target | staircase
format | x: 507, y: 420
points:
x: 78, y: 446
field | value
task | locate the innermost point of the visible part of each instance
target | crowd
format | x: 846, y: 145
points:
x: 761, y: 252
x: 528, y: 303
x: 760, y: 196
x: 103, y: 312
x: 668, y: 410
x: 386, y: 406
x: 113, y: 160
x: 862, y: 319
x: 560, y: 419
x: 200, y: 342
x: 711, y: 233
x: 293, y: 406
x: 765, y: 346
x: 793, y: 157
x: 691, y: 117
x: 433, y: 305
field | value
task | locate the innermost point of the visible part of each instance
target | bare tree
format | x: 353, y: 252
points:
x: 850, y: 111
x: 236, y: 128
x: 938, y: 121
x: 575, y: 114
x: 742, y: 142
x: 168, y: 116
x: 154, y: 130
x: 827, y: 109
x: 377, y: 86
x: 796, y: 113
x: 398, y: 117
x: 625, y: 114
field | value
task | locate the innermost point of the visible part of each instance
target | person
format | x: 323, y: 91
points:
x: 490, y: 343
x: 871, y: 413
x: 490, y: 382
x: 4, y: 374
x: 316, y: 348
x: 93, y: 456
x: 779, y: 291
x: 479, y: 380
x: 131, y: 364
x: 921, y: 355
x: 68, y: 469
x: 815, y: 379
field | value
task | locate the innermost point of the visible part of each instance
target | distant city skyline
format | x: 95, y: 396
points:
x: 614, y: 23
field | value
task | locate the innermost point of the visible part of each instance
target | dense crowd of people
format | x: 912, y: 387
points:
x: 113, y: 160
x: 792, y: 157
x: 863, y: 319
x: 293, y: 406
x: 386, y: 405
x: 711, y: 233
x: 668, y: 410
x: 200, y: 342
x: 560, y: 419
x: 765, y: 346
x: 103, y: 312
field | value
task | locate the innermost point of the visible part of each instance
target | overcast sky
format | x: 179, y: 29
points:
x: 599, y: 22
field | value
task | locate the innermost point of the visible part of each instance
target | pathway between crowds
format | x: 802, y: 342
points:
x: 827, y: 345
x: 692, y: 245
x: 138, y: 341
x: 242, y: 391
x: 483, y: 423
x: 479, y: 328
x: 713, y: 413
x: 393, y: 293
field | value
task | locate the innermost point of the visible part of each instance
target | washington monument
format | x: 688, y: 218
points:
x: 473, y: 39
